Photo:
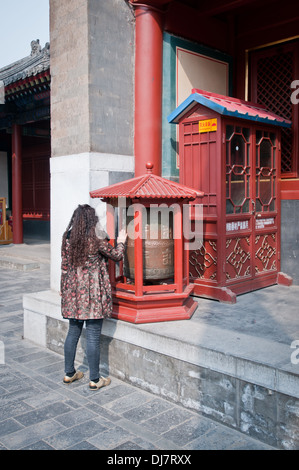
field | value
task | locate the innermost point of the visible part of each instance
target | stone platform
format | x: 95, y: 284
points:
x: 234, y: 363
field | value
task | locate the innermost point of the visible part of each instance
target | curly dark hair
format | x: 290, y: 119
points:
x: 81, y: 233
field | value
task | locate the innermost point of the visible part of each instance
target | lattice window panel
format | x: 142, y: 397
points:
x: 274, y: 76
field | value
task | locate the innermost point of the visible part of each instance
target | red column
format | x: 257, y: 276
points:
x: 178, y: 249
x: 148, y: 88
x: 17, y: 184
x: 138, y: 253
x: 110, y: 225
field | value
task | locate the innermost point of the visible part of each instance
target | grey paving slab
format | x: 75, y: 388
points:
x: 8, y: 426
x: 146, y: 411
x: 13, y: 409
x: 30, y: 434
x: 54, y: 410
x: 168, y: 420
x: 111, y: 437
x: 39, y: 412
x: 68, y: 437
x: 39, y: 445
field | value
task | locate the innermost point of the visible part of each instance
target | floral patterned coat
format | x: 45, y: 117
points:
x: 86, y: 291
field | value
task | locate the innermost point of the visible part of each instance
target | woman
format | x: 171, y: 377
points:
x: 86, y: 289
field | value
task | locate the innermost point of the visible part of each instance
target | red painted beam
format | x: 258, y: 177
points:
x: 148, y: 88
x: 17, y: 184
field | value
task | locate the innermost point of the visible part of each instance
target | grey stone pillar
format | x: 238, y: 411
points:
x: 92, y: 79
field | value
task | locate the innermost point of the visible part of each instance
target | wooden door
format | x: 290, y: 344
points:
x: 252, y: 243
x: 266, y: 210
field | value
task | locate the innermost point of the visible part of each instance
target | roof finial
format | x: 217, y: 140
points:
x: 149, y: 167
x: 35, y: 47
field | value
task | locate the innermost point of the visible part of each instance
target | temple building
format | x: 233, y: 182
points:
x: 111, y: 90
x: 25, y: 144
x: 92, y: 109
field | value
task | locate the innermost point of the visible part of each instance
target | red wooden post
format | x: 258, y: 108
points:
x: 148, y: 88
x: 138, y: 254
x: 111, y: 233
x: 178, y: 250
x: 17, y: 184
x: 186, y: 242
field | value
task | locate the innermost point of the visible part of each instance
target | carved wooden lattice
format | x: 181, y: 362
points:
x: 237, y: 258
x: 274, y: 76
x: 203, y: 262
x: 265, y: 254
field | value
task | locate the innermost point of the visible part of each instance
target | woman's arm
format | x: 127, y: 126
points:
x: 64, y: 267
x: 114, y: 253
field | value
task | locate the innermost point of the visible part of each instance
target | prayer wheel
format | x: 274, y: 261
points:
x: 151, y: 284
x: 158, y: 253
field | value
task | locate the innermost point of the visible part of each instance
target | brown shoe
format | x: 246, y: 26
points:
x: 77, y: 376
x: 103, y: 382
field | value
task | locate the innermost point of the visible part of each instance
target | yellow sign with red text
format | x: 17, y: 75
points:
x: 208, y: 125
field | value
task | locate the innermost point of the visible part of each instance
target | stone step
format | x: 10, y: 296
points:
x: 242, y: 380
x: 18, y: 263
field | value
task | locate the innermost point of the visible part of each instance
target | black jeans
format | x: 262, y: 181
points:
x: 93, y: 336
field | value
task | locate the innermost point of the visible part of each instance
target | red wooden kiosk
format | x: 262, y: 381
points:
x: 231, y: 150
x: 137, y: 299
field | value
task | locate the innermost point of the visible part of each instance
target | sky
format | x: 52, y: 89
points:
x: 21, y: 21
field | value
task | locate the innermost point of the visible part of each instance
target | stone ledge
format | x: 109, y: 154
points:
x: 18, y: 263
x: 256, y: 360
x: 242, y: 381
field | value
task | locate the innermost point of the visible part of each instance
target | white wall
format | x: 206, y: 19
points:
x: 72, y: 178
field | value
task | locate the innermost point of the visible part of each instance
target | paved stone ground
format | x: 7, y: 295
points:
x: 37, y: 411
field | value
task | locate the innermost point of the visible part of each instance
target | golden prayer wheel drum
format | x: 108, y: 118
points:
x: 158, y: 254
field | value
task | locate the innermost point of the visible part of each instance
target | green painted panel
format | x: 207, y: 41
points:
x: 169, y: 131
